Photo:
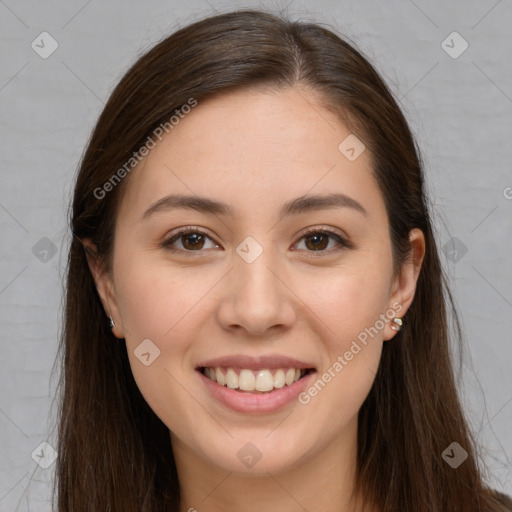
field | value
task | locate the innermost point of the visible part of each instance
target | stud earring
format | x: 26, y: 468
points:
x: 397, y: 324
x: 112, y: 324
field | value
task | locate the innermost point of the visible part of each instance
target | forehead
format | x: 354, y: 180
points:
x: 253, y: 149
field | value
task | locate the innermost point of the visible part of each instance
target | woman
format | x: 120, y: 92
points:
x: 255, y: 317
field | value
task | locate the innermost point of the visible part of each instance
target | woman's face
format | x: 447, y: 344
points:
x: 248, y: 293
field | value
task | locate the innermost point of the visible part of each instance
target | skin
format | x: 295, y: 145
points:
x: 248, y: 149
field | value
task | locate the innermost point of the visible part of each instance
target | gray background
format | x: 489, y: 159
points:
x: 459, y: 108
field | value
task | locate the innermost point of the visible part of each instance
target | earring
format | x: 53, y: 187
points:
x: 398, y: 324
x: 112, y: 324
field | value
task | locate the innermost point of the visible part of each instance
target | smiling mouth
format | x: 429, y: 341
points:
x: 254, y: 381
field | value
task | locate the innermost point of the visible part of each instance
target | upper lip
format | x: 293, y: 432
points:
x: 256, y: 363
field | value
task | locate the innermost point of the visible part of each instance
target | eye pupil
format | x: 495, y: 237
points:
x: 317, y: 238
x: 197, y: 239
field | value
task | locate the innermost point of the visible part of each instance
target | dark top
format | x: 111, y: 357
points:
x: 504, y: 500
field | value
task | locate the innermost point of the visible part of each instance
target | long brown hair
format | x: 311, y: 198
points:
x: 114, y: 452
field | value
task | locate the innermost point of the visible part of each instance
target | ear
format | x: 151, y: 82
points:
x: 104, y: 285
x: 404, y: 284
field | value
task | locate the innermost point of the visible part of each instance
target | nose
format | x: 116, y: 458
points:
x: 257, y: 297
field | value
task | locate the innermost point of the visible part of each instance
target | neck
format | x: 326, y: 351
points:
x: 323, y: 481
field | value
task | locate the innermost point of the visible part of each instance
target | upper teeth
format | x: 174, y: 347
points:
x: 249, y: 380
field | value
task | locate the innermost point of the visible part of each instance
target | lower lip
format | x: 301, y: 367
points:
x: 256, y: 403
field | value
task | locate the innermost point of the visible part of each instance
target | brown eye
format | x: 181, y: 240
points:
x: 316, y: 242
x: 192, y: 241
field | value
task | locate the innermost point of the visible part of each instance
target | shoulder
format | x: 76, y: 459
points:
x: 504, y: 500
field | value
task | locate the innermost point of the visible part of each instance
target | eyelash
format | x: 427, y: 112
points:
x: 343, y: 243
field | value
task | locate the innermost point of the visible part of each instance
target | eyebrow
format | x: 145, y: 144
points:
x: 295, y: 206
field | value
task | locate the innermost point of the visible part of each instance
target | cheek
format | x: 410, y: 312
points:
x: 166, y: 305
x: 351, y: 299
x: 156, y: 301
x: 353, y: 306
x: 157, y: 305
